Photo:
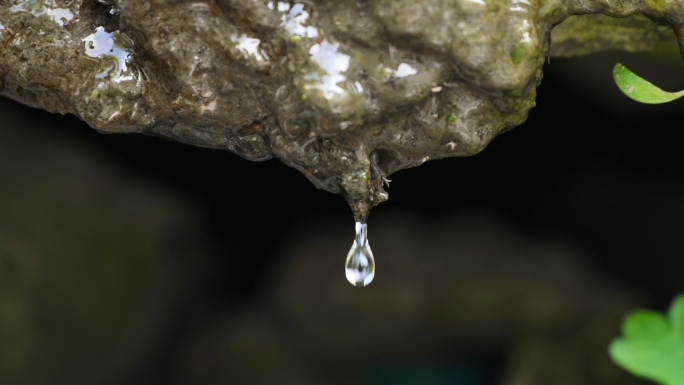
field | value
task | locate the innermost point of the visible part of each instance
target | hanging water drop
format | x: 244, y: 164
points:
x: 360, y: 265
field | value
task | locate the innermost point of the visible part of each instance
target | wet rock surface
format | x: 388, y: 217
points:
x: 347, y: 92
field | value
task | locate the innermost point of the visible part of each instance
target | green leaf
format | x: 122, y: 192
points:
x: 639, y: 89
x: 652, y: 345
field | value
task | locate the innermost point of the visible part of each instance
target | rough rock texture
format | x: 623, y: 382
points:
x: 345, y: 91
x: 586, y: 34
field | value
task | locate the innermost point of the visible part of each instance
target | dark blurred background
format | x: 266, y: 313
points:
x: 135, y: 260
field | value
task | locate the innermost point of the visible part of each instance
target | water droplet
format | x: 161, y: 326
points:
x: 360, y: 265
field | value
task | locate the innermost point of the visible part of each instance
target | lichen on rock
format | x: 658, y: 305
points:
x: 347, y: 92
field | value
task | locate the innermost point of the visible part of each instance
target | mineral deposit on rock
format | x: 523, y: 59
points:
x: 345, y: 91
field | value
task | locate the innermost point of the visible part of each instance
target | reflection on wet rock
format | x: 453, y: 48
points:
x: 334, y: 64
x: 294, y: 20
x: 248, y: 46
x: 113, y: 54
x: 37, y: 8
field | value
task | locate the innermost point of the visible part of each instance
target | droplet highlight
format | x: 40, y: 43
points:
x: 360, y: 265
x: 109, y: 47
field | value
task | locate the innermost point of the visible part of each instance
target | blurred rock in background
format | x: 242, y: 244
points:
x: 94, y: 261
x: 466, y: 300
